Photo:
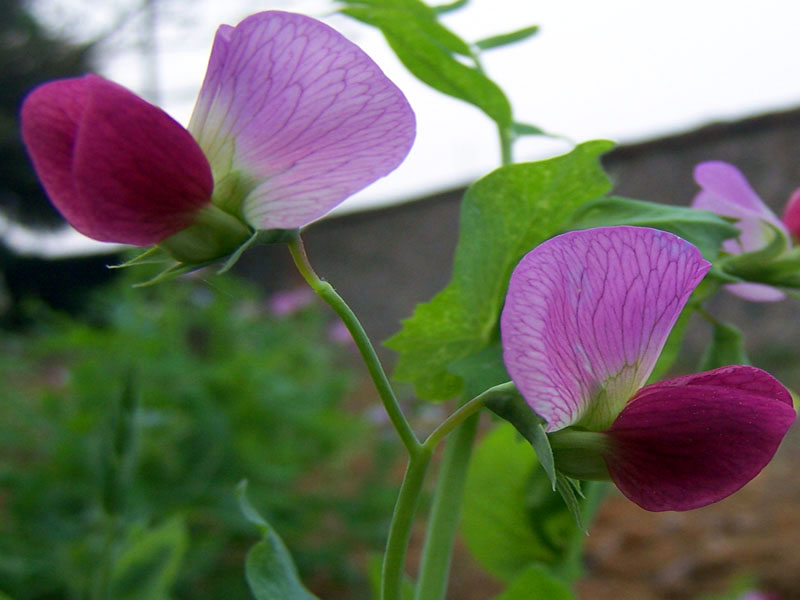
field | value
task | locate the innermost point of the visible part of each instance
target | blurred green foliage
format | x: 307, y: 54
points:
x: 122, y: 440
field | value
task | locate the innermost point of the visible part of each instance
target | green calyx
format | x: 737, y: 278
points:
x: 579, y: 454
x: 219, y: 228
x: 214, y: 234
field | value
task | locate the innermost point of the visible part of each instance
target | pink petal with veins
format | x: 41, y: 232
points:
x: 726, y: 192
x: 302, y: 112
x: 687, y: 442
x: 117, y: 168
x: 587, y: 314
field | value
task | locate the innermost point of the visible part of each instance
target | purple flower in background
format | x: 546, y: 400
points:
x: 288, y: 302
x: 292, y: 118
x: 586, y: 316
x: 757, y: 595
x: 725, y: 191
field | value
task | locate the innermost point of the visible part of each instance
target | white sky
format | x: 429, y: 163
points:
x: 626, y: 70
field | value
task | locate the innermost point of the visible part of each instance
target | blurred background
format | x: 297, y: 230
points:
x: 128, y: 416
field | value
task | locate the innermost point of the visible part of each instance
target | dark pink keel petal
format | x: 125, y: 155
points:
x: 302, y: 113
x: 687, y: 442
x: 118, y: 168
x: 586, y: 316
x: 791, y: 214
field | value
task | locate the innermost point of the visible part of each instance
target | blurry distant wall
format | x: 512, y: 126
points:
x: 386, y: 261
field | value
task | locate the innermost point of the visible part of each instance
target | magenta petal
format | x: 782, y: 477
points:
x: 688, y: 442
x: 587, y: 314
x: 791, y: 215
x: 118, y: 168
x: 302, y: 112
x: 725, y: 191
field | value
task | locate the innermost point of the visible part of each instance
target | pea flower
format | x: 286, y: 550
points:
x: 291, y: 119
x: 586, y: 316
x: 725, y: 191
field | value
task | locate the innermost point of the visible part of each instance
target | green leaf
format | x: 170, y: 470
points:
x: 704, y: 229
x: 774, y: 264
x: 427, y: 49
x: 520, y: 129
x: 481, y: 371
x: 149, y: 561
x: 727, y: 348
x: 536, y: 582
x: 415, y: 13
x: 511, y: 516
x: 446, y: 8
x: 503, y: 216
x: 496, y: 41
x: 270, y: 570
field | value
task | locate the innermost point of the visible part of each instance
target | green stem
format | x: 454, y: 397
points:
x: 328, y: 294
x: 506, y: 143
x: 454, y: 420
x: 445, y: 512
x: 400, y: 531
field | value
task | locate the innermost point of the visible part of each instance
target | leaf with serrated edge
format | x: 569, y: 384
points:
x: 503, y: 216
x: 426, y: 49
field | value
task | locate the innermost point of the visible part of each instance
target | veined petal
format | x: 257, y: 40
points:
x: 304, y: 116
x: 587, y: 314
x: 726, y: 192
x: 688, y: 442
x: 791, y: 215
x: 118, y: 168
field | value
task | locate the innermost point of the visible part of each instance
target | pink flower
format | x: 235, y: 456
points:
x: 292, y: 118
x: 288, y: 302
x: 791, y: 214
x: 586, y: 316
x: 725, y: 191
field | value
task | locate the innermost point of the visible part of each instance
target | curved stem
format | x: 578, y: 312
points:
x: 445, y: 512
x: 328, y: 294
x: 400, y: 531
x: 454, y: 420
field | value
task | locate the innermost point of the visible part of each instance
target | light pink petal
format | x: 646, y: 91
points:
x: 118, y: 168
x: 302, y: 112
x: 756, y: 292
x: 688, y: 442
x: 791, y: 215
x: 587, y: 314
x: 726, y: 192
